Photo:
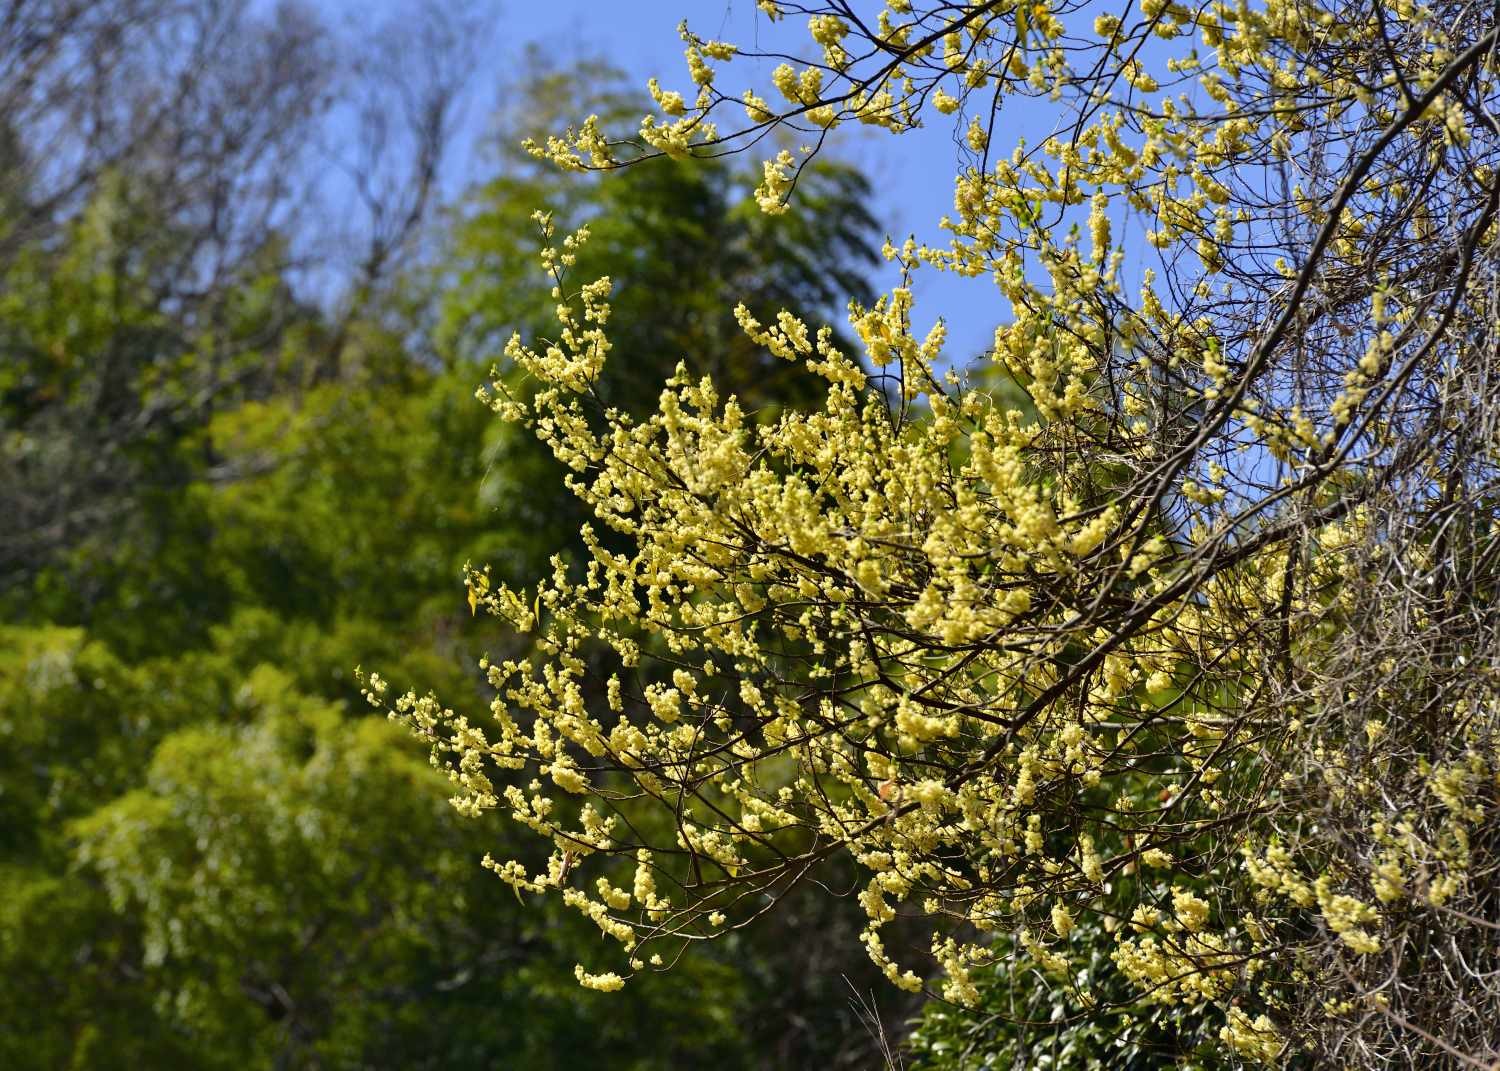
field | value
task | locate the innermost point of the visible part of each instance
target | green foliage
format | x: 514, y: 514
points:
x: 285, y: 883
x: 1026, y: 1022
x: 211, y: 855
x: 109, y: 379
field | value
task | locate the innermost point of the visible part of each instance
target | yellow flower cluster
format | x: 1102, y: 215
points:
x: 1021, y: 643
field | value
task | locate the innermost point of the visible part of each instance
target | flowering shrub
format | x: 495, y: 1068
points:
x: 1192, y: 651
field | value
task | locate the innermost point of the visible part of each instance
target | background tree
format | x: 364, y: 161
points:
x: 206, y: 856
x: 164, y: 168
